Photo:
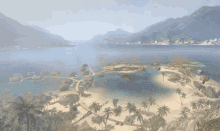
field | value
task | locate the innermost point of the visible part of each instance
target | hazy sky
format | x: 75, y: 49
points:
x: 82, y: 19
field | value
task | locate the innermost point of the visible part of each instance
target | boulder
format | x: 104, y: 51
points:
x: 199, y: 71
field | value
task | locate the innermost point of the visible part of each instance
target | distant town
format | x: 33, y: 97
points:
x: 177, y: 42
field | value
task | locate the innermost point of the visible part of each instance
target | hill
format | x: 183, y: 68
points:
x: 15, y: 34
x: 202, y: 24
x: 112, y: 36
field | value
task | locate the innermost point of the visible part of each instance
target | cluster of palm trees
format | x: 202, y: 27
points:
x: 182, y: 96
x: 101, y: 119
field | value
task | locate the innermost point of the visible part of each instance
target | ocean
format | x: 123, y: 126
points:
x: 66, y: 60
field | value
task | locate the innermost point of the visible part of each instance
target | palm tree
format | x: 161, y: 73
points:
x: 184, y: 112
x: 179, y: 91
x: 56, y: 96
x: 163, y: 110
x: 95, y: 106
x: 151, y: 101
x: 129, y: 107
x: 163, y: 75
x: 98, y: 120
x: 108, y: 112
x: 138, y: 115
x: 193, y: 105
x: 200, y: 103
x: 144, y: 104
x: 118, y: 111
x: 133, y: 108
x: 115, y: 102
x: 25, y: 109
x: 183, y: 95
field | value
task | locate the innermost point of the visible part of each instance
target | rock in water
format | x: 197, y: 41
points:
x: 199, y: 71
x: 127, y: 78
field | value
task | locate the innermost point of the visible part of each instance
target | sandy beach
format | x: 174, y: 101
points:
x: 172, y: 101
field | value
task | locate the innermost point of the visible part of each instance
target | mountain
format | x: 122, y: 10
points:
x: 202, y: 24
x: 112, y: 36
x: 38, y: 28
x: 16, y: 34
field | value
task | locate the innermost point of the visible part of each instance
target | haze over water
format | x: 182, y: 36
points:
x: 67, y: 60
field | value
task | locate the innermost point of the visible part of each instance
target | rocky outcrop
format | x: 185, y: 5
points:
x: 199, y: 71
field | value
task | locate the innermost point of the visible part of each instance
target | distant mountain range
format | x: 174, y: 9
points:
x: 112, y: 36
x: 16, y: 34
x: 203, y: 24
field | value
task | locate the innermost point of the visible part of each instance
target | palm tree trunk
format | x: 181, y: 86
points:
x: 181, y: 100
x: 28, y: 128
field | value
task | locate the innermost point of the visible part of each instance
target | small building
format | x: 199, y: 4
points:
x: 44, y: 73
x: 73, y: 74
x: 100, y: 74
x: 37, y: 77
x: 30, y: 74
x: 85, y: 72
x: 15, y: 79
x: 55, y: 73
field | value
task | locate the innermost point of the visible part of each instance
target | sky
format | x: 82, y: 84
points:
x: 83, y: 19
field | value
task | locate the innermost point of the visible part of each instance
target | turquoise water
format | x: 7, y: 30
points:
x: 67, y: 60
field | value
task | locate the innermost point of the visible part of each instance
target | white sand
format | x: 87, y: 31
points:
x: 170, y: 101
